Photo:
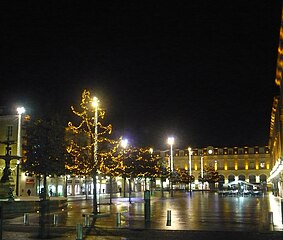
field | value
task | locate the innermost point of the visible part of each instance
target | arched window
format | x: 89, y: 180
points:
x: 252, y: 179
x: 262, y: 178
x: 242, y: 177
x: 231, y: 178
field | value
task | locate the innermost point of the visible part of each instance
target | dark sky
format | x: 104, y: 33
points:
x: 202, y: 71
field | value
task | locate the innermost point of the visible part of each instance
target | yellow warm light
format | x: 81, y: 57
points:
x: 236, y: 166
x: 95, y: 102
x: 267, y: 166
x: 196, y: 166
x: 247, y: 166
x: 225, y: 167
x: 256, y: 167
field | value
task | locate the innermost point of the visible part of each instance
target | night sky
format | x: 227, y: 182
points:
x: 202, y: 71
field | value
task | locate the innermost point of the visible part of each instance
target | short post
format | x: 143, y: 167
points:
x: 79, y: 232
x: 87, y: 220
x: 118, y: 219
x: 168, y: 218
x: 270, y: 217
x: 147, y: 205
x: 55, y: 219
x: 26, y: 219
x: 270, y: 221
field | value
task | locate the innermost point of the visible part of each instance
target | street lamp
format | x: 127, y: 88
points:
x: 215, y: 165
x: 95, y: 103
x: 170, y: 141
x: 190, y: 160
x: 201, y: 171
x: 190, y: 165
x: 124, y: 144
x: 20, y: 111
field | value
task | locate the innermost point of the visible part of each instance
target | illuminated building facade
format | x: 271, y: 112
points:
x: 276, y: 125
x: 251, y: 164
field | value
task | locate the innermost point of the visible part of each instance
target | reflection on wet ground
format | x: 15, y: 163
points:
x: 189, y: 211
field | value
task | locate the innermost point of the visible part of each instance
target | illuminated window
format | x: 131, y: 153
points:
x: 252, y: 165
x: 231, y: 165
x: 241, y: 165
x: 235, y: 151
x: 262, y: 164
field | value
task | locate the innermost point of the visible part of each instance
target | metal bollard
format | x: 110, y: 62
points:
x: 55, y: 219
x: 270, y: 217
x: 26, y: 218
x: 168, y: 218
x: 87, y: 220
x: 118, y: 219
x: 270, y: 221
x: 79, y: 232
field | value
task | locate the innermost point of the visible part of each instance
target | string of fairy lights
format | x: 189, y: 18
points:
x: 112, y: 159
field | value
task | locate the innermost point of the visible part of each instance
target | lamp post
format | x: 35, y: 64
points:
x: 215, y: 165
x: 170, y: 141
x: 95, y: 103
x: 190, y: 166
x: 124, y: 144
x: 201, y: 171
x: 20, y: 111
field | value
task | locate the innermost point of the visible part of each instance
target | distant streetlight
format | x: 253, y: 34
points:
x: 190, y: 160
x: 215, y: 165
x: 124, y: 144
x: 170, y: 141
x: 190, y: 165
x: 20, y: 111
x: 201, y: 171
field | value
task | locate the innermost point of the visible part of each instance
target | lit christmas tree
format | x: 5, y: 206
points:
x: 89, y: 142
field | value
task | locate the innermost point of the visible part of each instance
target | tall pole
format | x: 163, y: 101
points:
x: 190, y: 166
x: 201, y: 171
x: 171, y: 142
x: 95, y: 105
x: 124, y: 144
x: 20, y: 111
x: 172, y: 168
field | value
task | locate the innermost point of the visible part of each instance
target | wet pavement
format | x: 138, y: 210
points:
x: 197, y: 213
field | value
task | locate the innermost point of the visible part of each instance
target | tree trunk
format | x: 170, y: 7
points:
x: 124, y: 190
x: 86, y: 189
x: 130, y: 201
x: 145, y: 185
x: 44, y: 211
x: 111, y: 190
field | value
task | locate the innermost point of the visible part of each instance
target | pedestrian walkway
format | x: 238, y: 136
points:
x: 196, y: 215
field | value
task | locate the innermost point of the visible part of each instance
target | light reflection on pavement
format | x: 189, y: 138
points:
x: 196, y: 211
